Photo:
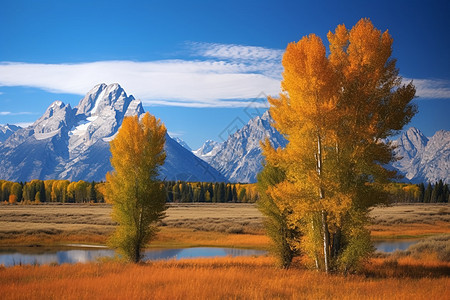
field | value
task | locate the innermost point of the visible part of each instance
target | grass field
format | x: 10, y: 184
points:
x: 223, y: 278
x: 421, y: 273
x: 193, y: 224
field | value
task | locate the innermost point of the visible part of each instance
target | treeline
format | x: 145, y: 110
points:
x: 419, y: 193
x: 180, y: 191
x: 64, y: 191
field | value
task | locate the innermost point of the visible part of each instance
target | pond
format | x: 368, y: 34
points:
x: 40, y: 256
x: 393, y: 245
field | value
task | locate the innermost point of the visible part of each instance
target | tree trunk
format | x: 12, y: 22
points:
x: 316, y: 259
x: 325, y: 233
x: 326, y: 241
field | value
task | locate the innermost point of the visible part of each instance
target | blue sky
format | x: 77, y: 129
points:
x: 200, y: 66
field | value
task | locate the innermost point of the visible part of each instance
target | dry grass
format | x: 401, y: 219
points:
x: 418, y: 274
x: 410, y: 220
x: 192, y: 224
x: 221, y: 278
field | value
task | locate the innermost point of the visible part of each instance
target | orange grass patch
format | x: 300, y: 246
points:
x: 409, y: 230
x: 219, y: 278
x: 181, y: 237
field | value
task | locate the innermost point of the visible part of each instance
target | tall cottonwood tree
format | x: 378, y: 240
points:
x: 138, y: 197
x: 336, y: 110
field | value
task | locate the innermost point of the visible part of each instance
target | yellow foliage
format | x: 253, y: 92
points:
x: 138, y: 197
x: 335, y: 110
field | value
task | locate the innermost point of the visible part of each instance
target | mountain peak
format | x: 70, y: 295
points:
x: 422, y: 159
x: 239, y: 157
x: 73, y: 143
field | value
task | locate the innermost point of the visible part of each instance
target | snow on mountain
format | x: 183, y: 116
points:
x: 208, y: 150
x: 73, y: 143
x: 182, y: 143
x: 239, y: 158
x: 423, y: 159
x: 6, y: 131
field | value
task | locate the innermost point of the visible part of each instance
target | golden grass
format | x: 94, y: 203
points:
x: 193, y: 224
x: 220, y: 278
x: 180, y: 237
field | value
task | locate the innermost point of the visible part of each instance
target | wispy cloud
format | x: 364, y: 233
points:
x: 227, y: 76
x: 237, y: 52
x: 175, y: 134
x: 8, y: 113
x: 432, y: 88
x: 217, y: 75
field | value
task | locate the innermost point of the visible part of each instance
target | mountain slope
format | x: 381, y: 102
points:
x: 423, y: 159
x: 73, y: 143
x: 6, y: 131
x: 239, y: 158
x: 182, y: 143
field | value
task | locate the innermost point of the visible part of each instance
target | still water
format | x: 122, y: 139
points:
x: 10, y: 257
x: 393, y: 245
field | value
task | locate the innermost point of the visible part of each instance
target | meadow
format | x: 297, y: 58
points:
x: 421, y: 273
x: 194, y: 224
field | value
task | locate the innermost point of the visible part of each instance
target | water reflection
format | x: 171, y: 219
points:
x: 10, y: 257
x: 391, y: 246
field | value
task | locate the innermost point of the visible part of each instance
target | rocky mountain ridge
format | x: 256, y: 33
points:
x: 73, y: 143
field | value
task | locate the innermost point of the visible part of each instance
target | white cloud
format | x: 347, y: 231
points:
x: 174, y: 134
x: 8, y: 113
x: 186, y: 83
x: 226, y: 76
x: 230, y: 76
x: 20, y: 124
x: 237, y: 52
x: 23, y: 124
x: 431, y: 88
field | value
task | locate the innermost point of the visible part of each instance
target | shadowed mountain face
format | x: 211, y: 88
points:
x: 423, y: 159
x: 73, y: 143
x: 239, y: 158
x: 6, y: 131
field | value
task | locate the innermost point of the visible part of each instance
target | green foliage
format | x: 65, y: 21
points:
x: 276, y: 220
x: 138, y: 197
x: 356, y: 243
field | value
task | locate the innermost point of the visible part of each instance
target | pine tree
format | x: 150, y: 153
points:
x: 138, y: 197
x: 92, y: 193
x: 421, y: 192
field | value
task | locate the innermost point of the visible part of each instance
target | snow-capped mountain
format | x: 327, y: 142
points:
x: 182, y: 143
x: 208, y: 150
x: 73, y: 143
x: 6, y: 131
x: 423, y: 159
x: 239, y: 158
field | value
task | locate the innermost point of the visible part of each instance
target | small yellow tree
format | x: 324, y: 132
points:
x: 138, y: 197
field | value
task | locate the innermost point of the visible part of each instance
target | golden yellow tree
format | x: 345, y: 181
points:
x: 133, y: 187
x: 335, y: 110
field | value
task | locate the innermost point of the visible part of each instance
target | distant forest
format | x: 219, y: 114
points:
x: 64, y: 191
